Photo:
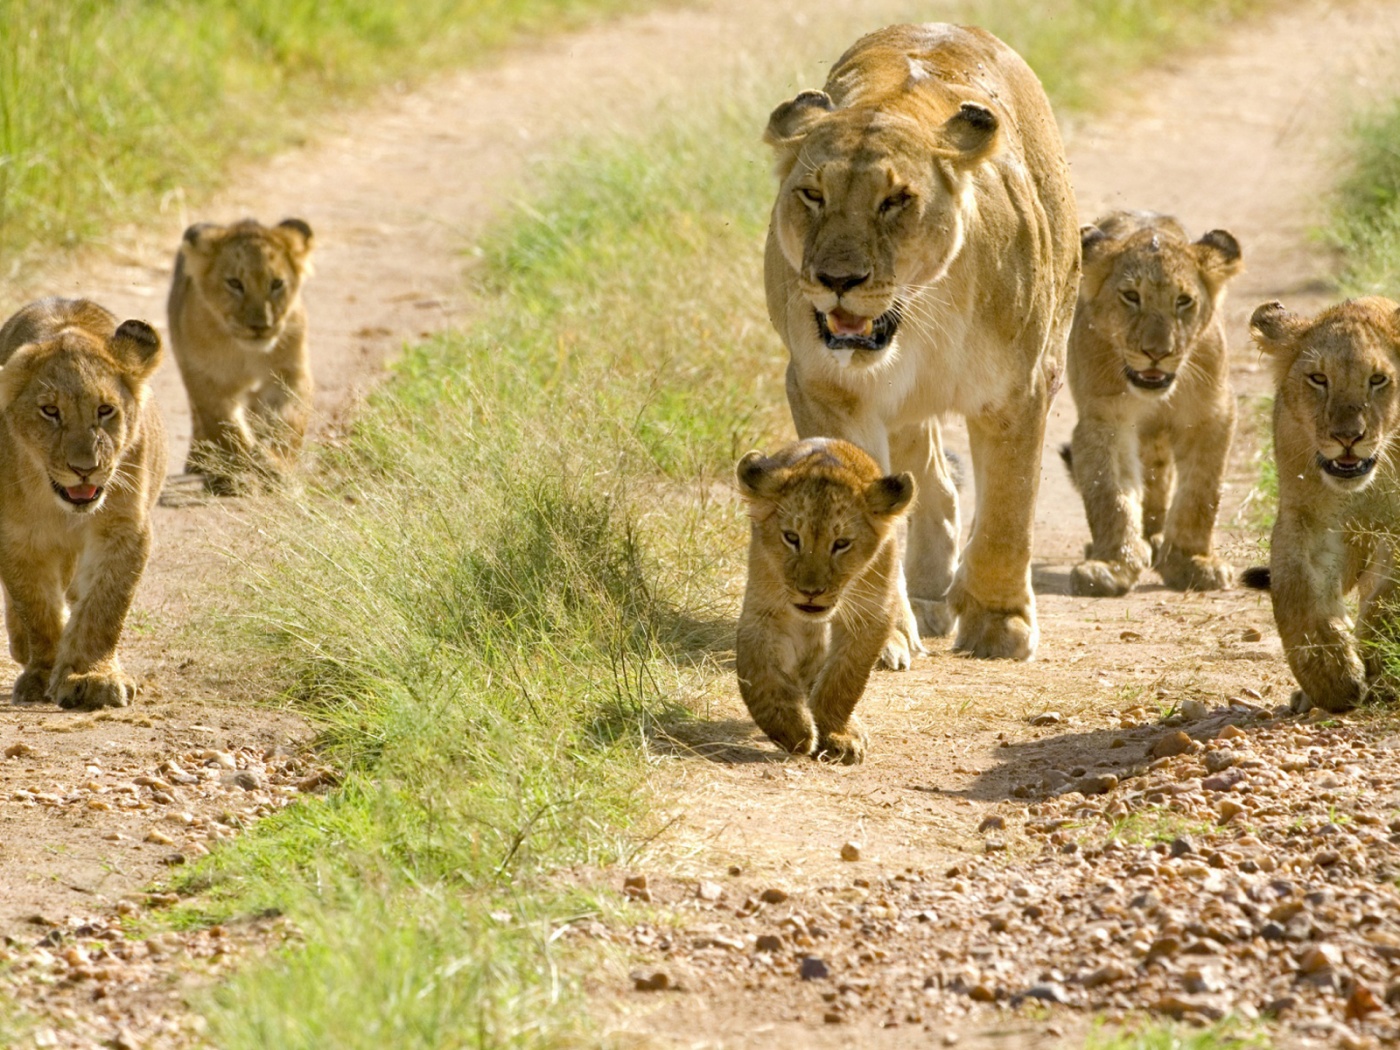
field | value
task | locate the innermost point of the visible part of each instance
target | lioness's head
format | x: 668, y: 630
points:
x: 250, y: 274
x: 1335, y: 378
x: 1152, y: 291
x: 872, y: 206
x: 820, y: 510
x: 73, y: 405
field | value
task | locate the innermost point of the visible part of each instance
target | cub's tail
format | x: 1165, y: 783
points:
x: 1257, y: 577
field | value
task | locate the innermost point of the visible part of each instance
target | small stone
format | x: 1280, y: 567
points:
x: 1251, y: 634
x: 1048, y: 992
x: 773, y: 895
x: 813, y: 969
x: 1106, y: 975
x: 18, y: 750
x: 160, y: 838
x: 1315, y: 960
x: 1191, y: 710
x: 769, y: 942
x: 850, y: 851
x: 222, y: 759
x: 833, y: 1017
x: 1327, y: 858
x: 995, y: 845
x: 992, y: 823
x: 1230, y: 732
x: 635, y: 887
x: 1163, y: 946
x: 1181, y: 846
x: 1229, y: 811
x: 1223, y: 781
x: 1215, y: 761
x: 1096, y: 785
x: 657, y: 981
x: 1272, y: 931
x: 243, y: 778
x: 1184, y: 1006
x: 1177, y: 743
x: 1201, y: 979
x: 1047, y: 718
x: 1362, y: 1002
x: 981, y: 993
x: 173, y: 859
x: 709, y: 891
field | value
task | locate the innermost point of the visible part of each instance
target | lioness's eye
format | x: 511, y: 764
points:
x: 792, y: 539
x: 1130, y: 297
x: 894, y: 202
x: 1184, y: 302
x: 278, y: 284
x: 840, y: 544
x: 1318, y: 380
x: 234, y: 284
x: 50, y: 410
x: 104, y: 411
x: 810, y: 196
x: 1378, y: 380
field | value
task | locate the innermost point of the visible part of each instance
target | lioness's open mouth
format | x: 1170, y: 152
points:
x: 78, y: 495
x: 1150, y: 378
x: 845, y: 331
x: 1346, y: 467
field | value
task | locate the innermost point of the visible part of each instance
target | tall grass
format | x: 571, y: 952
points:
x: 109, y: 106
x: 512, y: 569
x: 1365, y: 223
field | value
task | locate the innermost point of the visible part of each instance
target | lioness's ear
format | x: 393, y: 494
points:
x: 14, y: 377
x: 136, y: 346
x: 298, y: 233
x: 890, y: 495
x: 970, y: 133
x: 1274, y: 328
x: 789, y: 123
x: 1218, y: 255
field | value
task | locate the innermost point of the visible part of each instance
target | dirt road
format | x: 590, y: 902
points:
x: 1234, y: 137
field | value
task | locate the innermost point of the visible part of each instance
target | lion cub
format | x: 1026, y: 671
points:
x: 1148, y: 370
x: 238, y: 330
x: 1336, y: 410
x: 823, y: 592
x: 82, y: 459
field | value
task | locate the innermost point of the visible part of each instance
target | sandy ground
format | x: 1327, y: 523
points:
x: 1237, y: 137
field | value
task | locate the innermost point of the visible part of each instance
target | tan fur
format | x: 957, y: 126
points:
x: 238, y: 331
x: 75, y: 413
x: 928, y: 179
x: 1149, y: 462
x: 823, y: 591
x: 1336, y: 405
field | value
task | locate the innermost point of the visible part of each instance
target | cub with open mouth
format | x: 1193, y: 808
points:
x: 822, y: 593
x: 922, y: 260
x: 1336, y: 410
x: 82, y: 459
x: 1149, y: 372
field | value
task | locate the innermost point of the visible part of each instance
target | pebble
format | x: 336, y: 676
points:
x: 1049, y: 992
x: 773, y: 895
x: 1315, y: 960
x: 850, y: 851
x: 1172, y: 744
x: 18, y: 749
x: 709, y: 891
x: 1192, y: 710
x: 656, y: 981
x: 1047, y: 718
x: 813, y: 969
x: 992, y: 823
x: 635, y: 887
x: 769, y: 942
x: 160, y: 838
x: 1251, y: 634
x: 1230, y: 732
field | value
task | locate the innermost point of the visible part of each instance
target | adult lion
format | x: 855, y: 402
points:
x: 922, y: 259
x: 1336, y: 412
x: 82, y: 458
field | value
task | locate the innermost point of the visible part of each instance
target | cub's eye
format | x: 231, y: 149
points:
x: 1378, y: 380
x: 278, y: 284
x: 234, y: 285
x: 810, y: 197
x: 50, y: 410
x: 103, y: 411
x: 1130, y: 297
x: 894, y: 202
x: 1184, y: 302
x: 793, y: 540
x: 1318, y: 380
x: 838, y: 545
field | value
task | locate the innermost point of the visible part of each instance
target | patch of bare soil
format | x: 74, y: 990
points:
x: 1022, y: 850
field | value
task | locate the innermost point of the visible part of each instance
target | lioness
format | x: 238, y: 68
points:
x: 82, y: 458
x: 1149, y: 371
x: 823, y: 590
x: 1335, y: 415
x: 922, y: 259
x: 238, y: 330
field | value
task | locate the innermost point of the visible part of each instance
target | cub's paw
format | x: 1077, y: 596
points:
x: 226, y: 485
x: 935, y: 617
x: 994, y: 634
x: 903, y: 643
x: 846, y: 746
x: 1186, y: 572
x: 1101, y: 579
x: 32, y: 686
x: 791, y: 729
x: 93, y: 690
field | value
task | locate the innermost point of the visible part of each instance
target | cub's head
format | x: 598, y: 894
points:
x: 820, y: 510
x: 1335, y: 377
x: 73, y: 404
x: 250, y: 274
x: 872, y: 207
x: 1151, y: 292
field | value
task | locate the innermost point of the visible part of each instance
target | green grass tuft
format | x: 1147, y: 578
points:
x: 1365, y: 223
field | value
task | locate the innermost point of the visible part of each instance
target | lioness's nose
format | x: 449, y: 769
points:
x: 1349, y: 433
x: 841, y: 283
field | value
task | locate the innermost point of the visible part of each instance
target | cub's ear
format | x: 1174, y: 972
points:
x: 789, y: 124
x: 970, y: 134
x: 890, y: 495
x: 136, y: 346
x: 297, y: 233
x: 1218, y: 256
x: 200, y: 237
x: 1094, y: 244
x: 1274, y: 327
x: 1091, y: 240
x: 14, y: 376
x: 755, y: 473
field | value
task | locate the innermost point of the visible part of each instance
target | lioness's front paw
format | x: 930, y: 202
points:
x: 994, y: 634
x: 94, y: 690
x: 935, y: 618
x: 1101, y: 579
x: 32, y: 686
x: 1185, y: 572
x: 846, y: 746
x: 895, y: 656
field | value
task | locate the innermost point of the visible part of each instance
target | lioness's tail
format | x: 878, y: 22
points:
x: 1257, y: 577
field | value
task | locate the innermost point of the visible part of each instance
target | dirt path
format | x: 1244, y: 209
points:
x: 396, y: 195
